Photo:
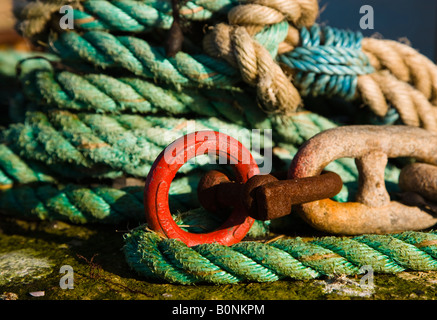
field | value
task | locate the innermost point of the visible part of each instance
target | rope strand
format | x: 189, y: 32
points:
x: 250, y: 261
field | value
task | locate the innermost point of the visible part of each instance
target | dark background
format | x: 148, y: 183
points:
x: 415, y: 20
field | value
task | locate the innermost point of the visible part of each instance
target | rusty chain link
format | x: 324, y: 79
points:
x: 308, y: 188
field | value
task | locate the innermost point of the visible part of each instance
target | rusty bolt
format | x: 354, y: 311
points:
x: 275, y: 199
x: 215, y: 191
x: 264, y: 196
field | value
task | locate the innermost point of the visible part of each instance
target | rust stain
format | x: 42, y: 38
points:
x: 191, y: 11
x: 91, y: 145
x: 319, y: 256
x: 6, y: 186
x: 426, y: 243
x: 84, y: 20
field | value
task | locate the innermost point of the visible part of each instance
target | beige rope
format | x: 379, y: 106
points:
x: 411, y: 104
x: 257, y: 67
x: 301, y: 13
x: 405, y: 78
x: 405, y: 63
x: 234, y: 43
x: 372, y: 95
x: 33, y: 16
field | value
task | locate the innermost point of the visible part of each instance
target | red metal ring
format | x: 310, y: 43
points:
x: 164, y: 170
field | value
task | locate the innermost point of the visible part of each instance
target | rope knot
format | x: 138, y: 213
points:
x: 256, y: 64
x: 251, y: 41
x: 300, y: 13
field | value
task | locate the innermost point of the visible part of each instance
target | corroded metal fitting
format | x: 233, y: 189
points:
x: 264, y: 196
x: 371, y: 146
x: 420, y: 178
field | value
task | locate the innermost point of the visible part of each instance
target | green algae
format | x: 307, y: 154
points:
x: 22, y: 265
x: 101, y: 273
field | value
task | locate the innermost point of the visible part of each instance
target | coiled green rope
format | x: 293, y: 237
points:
x: 137, y: 56
x: 135, y: 16
x: 126, y: 15
x: 105, y: 205
x: 250, y: 261
x: 101, y: 93
x: 96, y: 145
x: 329, y: 68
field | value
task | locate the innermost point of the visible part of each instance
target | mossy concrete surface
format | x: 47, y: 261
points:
x: 33, y: 252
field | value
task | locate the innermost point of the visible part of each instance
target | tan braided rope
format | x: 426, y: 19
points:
x: 233, y: 42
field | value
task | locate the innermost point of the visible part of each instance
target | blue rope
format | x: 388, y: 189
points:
x: 389, y: 119
x: 328, y: 62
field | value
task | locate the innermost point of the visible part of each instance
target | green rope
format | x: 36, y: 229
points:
x: 105, y: 50
x: 126, y: 15
x: 96, y: 144
x: 328, y: 69
x: 135, y: 16
x: 172, y: 261
x: 101, y: 93
x: 118, y: 101
x: 73, y: 204
x: 13, y: 169
x: 105, y: 205
x: 99, y: 146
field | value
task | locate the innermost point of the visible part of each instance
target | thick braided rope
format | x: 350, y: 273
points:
x: 52, y: 145
x: 256, y: 64
x: 234, y: 43
x: 411, y: 91
x: 313, y: 78
x: 105, y: 50
x: 136, y: 16
x: 137, y: 56
x: 311, y: 61
x: 405, y: 65
x: 103, y: 93
x: 96, y: 145
x: 15, y: 170
x: 127, y: 15
x: 139, y: 16
x: 74, y: 204
x: 172, y: 261
x: 90, y: 144
x: 329, y: 67
x: 19, y: 170
x: 101, y: 204
x: 93, y: 144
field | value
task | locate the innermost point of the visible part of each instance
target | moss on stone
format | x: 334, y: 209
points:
x: 100, y: 271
